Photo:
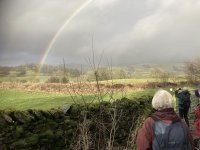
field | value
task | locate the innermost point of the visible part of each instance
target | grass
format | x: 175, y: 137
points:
x: 130, y: 81
x: 140, y: 80
x: 22, y: 99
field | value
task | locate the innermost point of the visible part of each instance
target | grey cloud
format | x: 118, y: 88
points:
x: 128, y: 31
x: 168, y: 34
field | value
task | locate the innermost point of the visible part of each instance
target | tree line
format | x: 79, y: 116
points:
x: 58, y: 73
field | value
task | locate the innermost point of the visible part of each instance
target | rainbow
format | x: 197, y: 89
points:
x: 55, y: 37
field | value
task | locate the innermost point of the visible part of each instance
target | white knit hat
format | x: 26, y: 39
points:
x: 162, y: 99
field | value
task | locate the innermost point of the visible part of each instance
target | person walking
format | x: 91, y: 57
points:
x: 196, y: 93
x: 183, y: 98
x: 164, y: 129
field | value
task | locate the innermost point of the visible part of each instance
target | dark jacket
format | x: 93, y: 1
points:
x: 145, y: 135
x: 183, y: 98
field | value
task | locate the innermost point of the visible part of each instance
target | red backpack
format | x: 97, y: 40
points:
x: 197, y: 120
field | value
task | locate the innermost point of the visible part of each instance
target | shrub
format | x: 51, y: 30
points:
x: 65, y: 80
x: 53, y: 79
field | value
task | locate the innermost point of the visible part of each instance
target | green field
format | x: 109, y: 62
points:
x: 22, y: 99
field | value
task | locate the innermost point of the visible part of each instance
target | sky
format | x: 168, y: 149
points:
x: 123, y: 32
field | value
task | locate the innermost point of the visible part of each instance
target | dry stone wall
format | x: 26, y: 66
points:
x: 64, y: 128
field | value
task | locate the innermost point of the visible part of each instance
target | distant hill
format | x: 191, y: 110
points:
x: 29, y: 71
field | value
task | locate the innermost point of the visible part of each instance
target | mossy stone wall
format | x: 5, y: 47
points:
x: 60, y: 129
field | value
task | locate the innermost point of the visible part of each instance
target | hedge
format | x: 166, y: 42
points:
x: 74, y: 126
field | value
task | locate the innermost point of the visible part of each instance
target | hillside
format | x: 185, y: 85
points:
x: 31, y: 72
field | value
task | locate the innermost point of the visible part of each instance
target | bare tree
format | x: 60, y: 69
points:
x: 160, y: 75
x: 192, y: 70
x: 107, y: 121
x: 65, y: 77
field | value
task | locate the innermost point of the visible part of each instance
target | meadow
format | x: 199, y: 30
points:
x: 22, y: 99
x: 23, y: 88
x: 19, y: 99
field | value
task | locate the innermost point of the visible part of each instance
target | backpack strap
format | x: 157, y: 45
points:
x: 186, y: 132
x: 154, y: 117
x: 153, y: 127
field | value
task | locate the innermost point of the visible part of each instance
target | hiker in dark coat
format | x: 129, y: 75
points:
x: 183, y: 98
x: 164, y: 129
x: 196, y: 93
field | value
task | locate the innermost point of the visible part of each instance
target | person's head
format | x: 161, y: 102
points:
x: 162, y: 100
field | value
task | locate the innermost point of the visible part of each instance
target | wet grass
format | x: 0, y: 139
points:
x: 23, y: 99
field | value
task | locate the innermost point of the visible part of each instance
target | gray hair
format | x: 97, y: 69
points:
x: 162, y: 99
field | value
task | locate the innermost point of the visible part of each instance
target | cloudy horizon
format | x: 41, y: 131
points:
x: 126, y: 32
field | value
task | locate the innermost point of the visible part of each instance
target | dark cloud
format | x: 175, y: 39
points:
x: 128, y: 31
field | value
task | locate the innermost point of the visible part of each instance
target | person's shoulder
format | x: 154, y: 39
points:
x: 149, y: 121
x: 180, y: 92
